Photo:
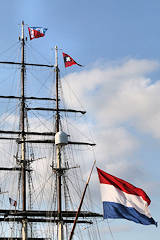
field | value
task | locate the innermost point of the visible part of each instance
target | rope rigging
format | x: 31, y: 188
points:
x: 40, y: 164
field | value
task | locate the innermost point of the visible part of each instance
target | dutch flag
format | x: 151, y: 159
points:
x: 123, y: 200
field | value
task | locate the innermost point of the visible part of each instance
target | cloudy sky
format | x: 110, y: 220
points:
x: 118, y: 43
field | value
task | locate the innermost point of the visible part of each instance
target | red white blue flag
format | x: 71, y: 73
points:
x: 123, y: 200
x: 68, y: 61
x: 13, y: 202
x: 36, y: 32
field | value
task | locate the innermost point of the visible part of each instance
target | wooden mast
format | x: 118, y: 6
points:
x: 58, y: 151
x: 23, y: 147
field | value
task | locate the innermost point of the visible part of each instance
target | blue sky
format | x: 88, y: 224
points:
x: 119, y: 43
x: 107, y: 29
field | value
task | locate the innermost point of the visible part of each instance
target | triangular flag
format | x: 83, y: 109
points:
x: 68, y: 61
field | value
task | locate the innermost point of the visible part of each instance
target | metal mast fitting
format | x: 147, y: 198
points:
x: 61, y: 138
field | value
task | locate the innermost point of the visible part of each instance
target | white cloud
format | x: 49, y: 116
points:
x: 116, y: 95
x: 120, y: 99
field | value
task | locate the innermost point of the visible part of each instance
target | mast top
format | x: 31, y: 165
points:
x: 22, y: 30
x: 56, y: 56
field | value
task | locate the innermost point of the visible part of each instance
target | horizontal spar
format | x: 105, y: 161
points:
x: 55, y: 110
x: 5, y: 138
x: 47, y: 141
x: 13, y: 169
x: 82, y: 143
x: 19, y: 238
x: 53, y: 142
x: 29, y: 98
x: 28, y: 64
x: 28, y: 133
x: 36, y: 213
x: 42, y: 220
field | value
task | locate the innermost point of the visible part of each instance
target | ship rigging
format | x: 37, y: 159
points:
x: 24, y: 217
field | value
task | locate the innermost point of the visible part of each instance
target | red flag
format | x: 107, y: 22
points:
x: 68, y: 61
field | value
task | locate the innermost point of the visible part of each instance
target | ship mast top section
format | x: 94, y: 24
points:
x: 57, y: 88
x: 22, y: 38
x: 22, y: 31
x: 56, y: 56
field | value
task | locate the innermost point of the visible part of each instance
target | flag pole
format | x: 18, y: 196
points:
x: 81, y: 202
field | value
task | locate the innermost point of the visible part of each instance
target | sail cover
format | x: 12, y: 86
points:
x: 123, y: 200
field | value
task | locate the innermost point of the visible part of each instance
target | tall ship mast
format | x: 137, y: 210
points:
x: 45, y: 209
